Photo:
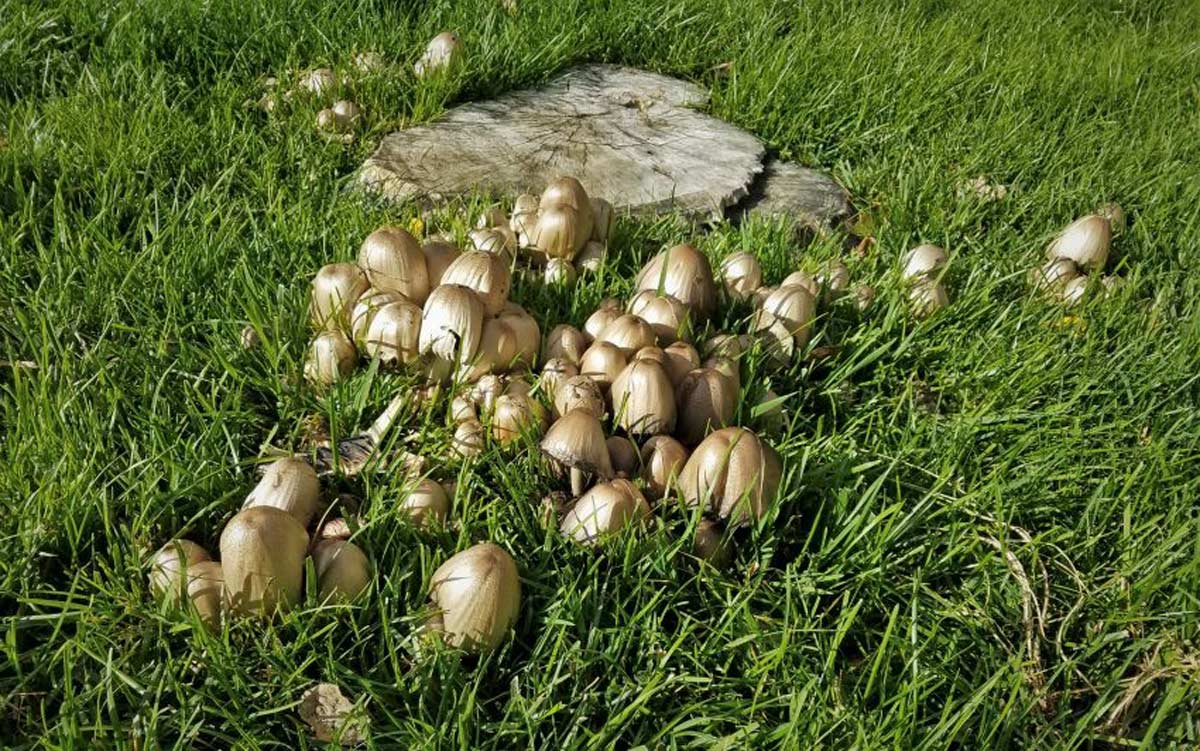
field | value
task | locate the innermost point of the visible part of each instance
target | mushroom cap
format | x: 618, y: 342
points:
x: 624, y: 455
x: 452, y: 324
x: 604, y: 509
x: 335, y: 289
x: 579, y: 392
x: 923, y: 260
x: 599, y: 319
x: 427, y: 504
x: 577, y: 440
x: 393, y: 261
x: 683, y: 273
x: 666, y: 316
x: 331, y: 357
x: 734, y: 473
x: 1085, y: 241
x: 741, y: 273
x: 559, y: 232
x: 682, y: 359
x: 793, y: 307
x: 394, y: 335
x: 485, y: 273
x: 342, y: 570
x: 479, y: 594
x: 706, y: 400
x: 559, y: 271
x: 554, y: 373
x: 928, y: 297
x: 663, y: 458
x: 603, y: 362
x: 566, y: 342
x: 603, y: 215
x: 262, y: 560
x: 289, y: 484
x: 799, y: 278
x: 364, y: 311
x: 169, y: 564
x: 627, y: 332
x: 205, y: 584
x: 643, y: 399
x: 439, y: 254
x: 514, y: 414
x: 469, y: 438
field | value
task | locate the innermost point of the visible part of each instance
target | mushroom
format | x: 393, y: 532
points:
x: 469, y: 438
x: 496, y: 352
x: 169, y: 567
x: 335, y: 290
x: 1115, y: 216
x: 394, y: 335
x: 318, y: 81
x: 478, y: 594
x: 742, y: 274
x: 579, y: 392
x: 602, y: 221
x: 558, y: 233
x: 427, y: 503
x: 711, y: 544
x: 262, y: 560
x: 494, y: 242
x: 1075, y: 290
x: 439, y: 254
x: 758, y: 296
x: 342, y: 570
x: 643, y: 399
x: 394, y: 262
x: 462, y: 408
x: 683, y: 273
x: 342, y: 117
x: 628, y: 333
x: 706, y: 400
x: 1054, y: 274
x: 727, y: 367
x: 443, y: 54
x: 364, y: 311
x: 834, y: 278
x: 205, y: 583
x: 652, y: 353
x: 605, y: 509
x: 1084, y: 241
x: 623, y: 453
x: 600, y: 318
x: 368, y: 61
x: 337, y: 528
x: 864, y: 295
x: 576, y: 441
x: 485, y: 273
x: 514, y: 414
x: 288, y: 484
x: 927, y: 298
x: 681, y: 359
x: 331, y: 357
x: 666, y: 316
x: 559, y: 272
x: 663, y: 458
x: 734, y: 474
x: 800, y: 278
x: 726, y: 345
x: 602, y: 362
x: 565, y: 195
x: 794, y: 308
x: 592, y: 257
x: 451, y: 326
x: 524, y: 219
x: 923, y: 261
x: 554, y: 373
x: 527, y: 331
x: 564, y: 342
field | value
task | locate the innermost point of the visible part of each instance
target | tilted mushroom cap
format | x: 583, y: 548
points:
x: 566, y: 342
x: 469, y: 438
x: 554, y: 373
x: 628, y: 333
x: 683, y: 273
x: 742, y: 274
x: 479, y: 594
x: 395, y: 333
x: 1054, y: 274
x: 1084, y: 241
x: 599, y: 319
x: 318, y: 81
x: 834, y: 277
x: 335, y: 290
x: 169, y: 564
x: 529, y: 334
x: 331, y: 357
x: 485, y: 273
x: 928, y: 297
x: 602, y: 220
x: 711, y: 544
x: 439, y: 254
x: 624, y: 455
x: 566, y: 193
x: 603, y: 362
x: 603, y: 510
x: 394, y: 262
x: 205, y: 584
x: 558, y: 232
x: 524, y: 219
x: 682, y: 359
x: 579, y: 392
x: 665, y: 315
x: 262, y: 560
x: 364, y: 311
x: 444, y: 53
x: 923, y: 261
x: 576, y: 440
x: 794, y: 307
x: 289, y: 484
x: 643, y: 399
x: 663, y: 459
x: 706, y: 400
x: 803, y: 279
x: 651, y: 353
x: 734, y: 473
x: 515, y: 414
x: 496, y: 352
x: 427, y: 503
x: 452, y: 324
x: 342, y: 570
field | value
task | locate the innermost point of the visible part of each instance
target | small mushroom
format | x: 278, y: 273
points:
x: 559, y: 232
x: 742, y: 274
x: 565, y: 342
x: 528, y: 333
x: 576, y: 441
x: 462, y: 408
x: 864, y: 295
x: 560, y: 272
x: 603, y: 510
x: 469, y: 438
x: 335, y: 290
x: 1054, y: 274
x: 364, y: 311
x: 706, y: 400
x: 643, y: 399
x: 627, y: 332
x: 1075, y: 290
x: 592, y: 257
x: 318, y: 81
x: 603, y: 362
x: 288, y: 484
x: 923, y: 262
x: 623, y: 453
x: 683, y: 273
x: 927, y: 298
x: 478, y: 594
x: 394, y: 262
x: 794, y: 308
x: 169, y: 567
x: 681, y: 359
x: 394, y: 335
x: 663, y: 458
x: 492, y: 216
x: 1085, y: 241
x: 451, y: 326
x: 439, y: 254
x: 262, y: 560
x: 554, y: 373
x: 711, y: 544
x: 834, y: 279
x: 331, y: 357
x: 514, y: 415
x: 205, y: 584
x: 666, y: 316
x: 734, y: 474
x: 800, y: 278
x: 486, y: 274
x: 579, y: 392
x: 342, y: 569
x: 443, y: 54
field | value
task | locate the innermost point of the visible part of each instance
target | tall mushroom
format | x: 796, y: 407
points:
x: 478, y: 595
x: 262, y: 560
x: 733, y: 473
x: 576, y: 441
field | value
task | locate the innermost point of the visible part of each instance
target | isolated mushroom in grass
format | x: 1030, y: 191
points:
x: 451, y: 327
x: 169, y: 565
x: 604, y: 510
x: 1054, y: 274
x: 515, y: 414
x: 624, y: 455
x: 628, y: 333
x: 681, y: 359
x: 478, y: 595
x: 683, y: 273
x: 663, y: 458
x: 443, y: 54
x: 734, y: 474
x: 439, y: 254
x: 288, y: 484
x: 205, y: 584
x: 342, y: 570
x: 342, y: 117
x: 927, y: 298
x: 559, y: 272
x: 603, y: 362
x: 742, y: 274
x: 564, y: 342
x: 427, y: 503
x: 331, y: 357
x: 1085, y: 241
x: 576, y: 441
x: 706, y: 400
x: 711, y: 544
x: 335, y: 290
x: 469, y: 438
x: 643, y: 400
x: 554, y: 373
x: 393, y: 261
x: 485, y: 273
x: 262, y: 560
x: 602, y: 220
x: 923, y: 261
x: 665, y: 315
x: 579, y: 392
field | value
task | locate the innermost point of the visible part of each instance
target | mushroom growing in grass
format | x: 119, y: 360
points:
x: 288, y: 484
x: 496, y: 352
x: 524, y: 219
x: 262, y: 560
x: 451, y: 327
x: 742, y: 274
x: 566, y: 342
x: 922, y: 262
x: 554, y: 373
x: 1115, y: 216
x: 706, y: 400
x: 335, y: 290
x: 527, y: 331
x: 516, y: 414
x: 789, y: 309
x: 318, y: 81
x: 663, y: 458
x: 579, y: 392
x: 443, y: 54
x: 666, y: 316
x: 628, y: 333
x: 576, y: 441
x: 486, y: 274
x: 395, y: 333
x: 205, y: 585
x: 643, y: 399
x: 1085, y: 241
x: 342, y: 570
x: 681, y: 359
x: 833, y: 278
x: 683, y: 273
x: 169, y: 567
x: 565, y: 219
x: 607, y: 312
x: 734, y: 474
x: 426, y: 504
x: 393, y: 261
x: 1075, y: 290
x: 1054, y: 274
x: 560, y: 272
x: 624, y: 455
x: 469, y: 438
x: 603, y: 510
x: 799, y: 278
x: 478, y: 596
x: 364, y: 311
x: 927, y: 298
x: 728, y: 367
x: 331, y: 357
x: 711, y: 544
x: 342, y: 117
x: 462, y: 408
x: 439, y: 254
x: 603, y: 362
x: 492, y: 216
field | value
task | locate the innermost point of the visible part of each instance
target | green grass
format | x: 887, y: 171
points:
x: 940, y: 477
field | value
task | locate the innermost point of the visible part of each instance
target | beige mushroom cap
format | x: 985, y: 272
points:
x: 577, y: 440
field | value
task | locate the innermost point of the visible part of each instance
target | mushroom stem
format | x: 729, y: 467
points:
x: 578, y: 482
x: 380, y: 427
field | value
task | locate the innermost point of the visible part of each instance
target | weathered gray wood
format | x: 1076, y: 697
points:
x: 630, y: 137
x: 812, y: 198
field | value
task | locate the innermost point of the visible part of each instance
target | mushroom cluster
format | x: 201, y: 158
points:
x: 1078, y: 251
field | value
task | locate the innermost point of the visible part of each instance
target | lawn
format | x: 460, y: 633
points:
x: 989, y: 533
